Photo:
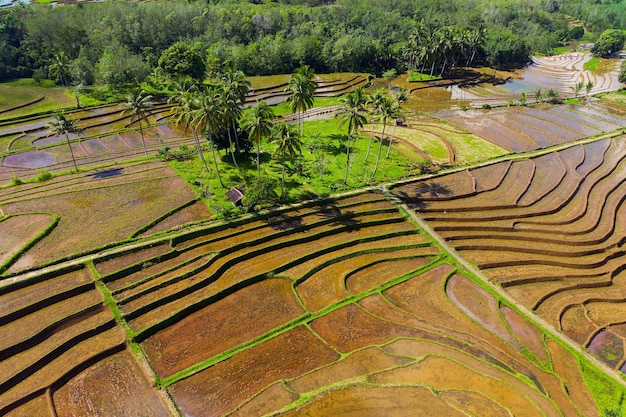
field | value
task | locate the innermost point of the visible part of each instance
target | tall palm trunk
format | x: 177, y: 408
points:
x: 237, y: 147
x: 67, y: 137
x: 369, y: 145
x: 393, y: 131
x: 143, y: 140
x: 217, y: 171
x: 230, y: 143
x: 282, y: 184
x: 258, y: 158
x: 345, y: 179
x: 199, y: 148
x: 380, y: 148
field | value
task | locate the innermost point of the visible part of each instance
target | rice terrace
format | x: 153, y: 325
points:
x: 443, y: 238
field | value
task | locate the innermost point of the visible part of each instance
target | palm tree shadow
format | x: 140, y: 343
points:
x: 431, y: 190
x: 343, y: 218
x: 284, y: 222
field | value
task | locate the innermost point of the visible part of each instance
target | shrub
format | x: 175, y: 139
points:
x: 486, y: 106
x: 44, y: 176
x: 16, y: 181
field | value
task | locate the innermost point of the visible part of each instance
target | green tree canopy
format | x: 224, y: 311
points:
x: 506, y: 50
x: 609, y: 42
x: 183, y: 59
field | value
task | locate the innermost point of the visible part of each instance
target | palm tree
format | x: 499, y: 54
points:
x: 588, y: 87
x: 186, y: 105
x: 289, y: 146
x: 374, y: 101
x: 386, y: 110
x: 400, y: 95
x: 257, y: 121
x: 138, y: 105
x: 351, y: 112
x: 235, y: 88
x: 208, y: 119
x: 302, y: 90
x: 61, y: 125
x: 60, y: 68
x: 577, y: 87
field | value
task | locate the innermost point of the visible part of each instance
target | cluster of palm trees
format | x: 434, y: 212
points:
x: 380, y: 107
x: 443, y: 48
x: 217, y: 109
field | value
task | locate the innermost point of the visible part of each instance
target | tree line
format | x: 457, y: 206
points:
x: 122, y: 43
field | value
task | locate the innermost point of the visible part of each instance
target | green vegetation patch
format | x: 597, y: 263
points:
x: 592, y: 64
x: 416, y: 76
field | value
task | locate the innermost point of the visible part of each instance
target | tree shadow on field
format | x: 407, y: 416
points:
x: 432, y: 190
x: 340, y: 148
x: 330, y: 210
x: 107, y: 173
x: 284, y: 222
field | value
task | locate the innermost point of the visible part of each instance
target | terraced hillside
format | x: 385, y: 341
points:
x: 106, y: 136
x: 529, y: 128
x: 305, y: 311
x: 559, y: 73
x: 550, y: 230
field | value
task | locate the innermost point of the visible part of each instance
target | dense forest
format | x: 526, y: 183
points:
x: 119, y: 43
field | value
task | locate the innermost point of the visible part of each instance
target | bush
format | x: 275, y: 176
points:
x: 16, y: 181
x: 486, y: 106
x: 44, y: 176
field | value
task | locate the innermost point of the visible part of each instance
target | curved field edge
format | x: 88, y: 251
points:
x: 608, y: 398
x: 46, y: 231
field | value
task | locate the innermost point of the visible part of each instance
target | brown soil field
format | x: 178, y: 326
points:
x: 222, y: 387
x: 17, y: 231
x: 109, y: 265
x: 327, y: 286
x: 224, y: 324
x: 240, y: 321
x: 115, y: 387
x: 557, y: 246
x: 95, y: 216
x: 394, y: 401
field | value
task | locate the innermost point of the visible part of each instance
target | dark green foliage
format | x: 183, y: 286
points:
x: 576, y: 33
x: 506, y: 50
x: 182, y: 59
x: 279, y: 36
x: 262, y: 192
x: 609, y: 42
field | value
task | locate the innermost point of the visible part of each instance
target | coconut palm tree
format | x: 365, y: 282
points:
x: 577, y: 87
x: 184, y: 111
x: 302, y: 90
x: 60, y: 68
x: 257, y: 121
x: 208, y: 119
x: 352, y: 112
x: 400, y: 96
x: 588, y: 87
x: 138, y: 105
x: 61, y: 125
x: 373, y: 102
x: 235, y: 88
x: 386, y: 110
x: 289, y: 146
